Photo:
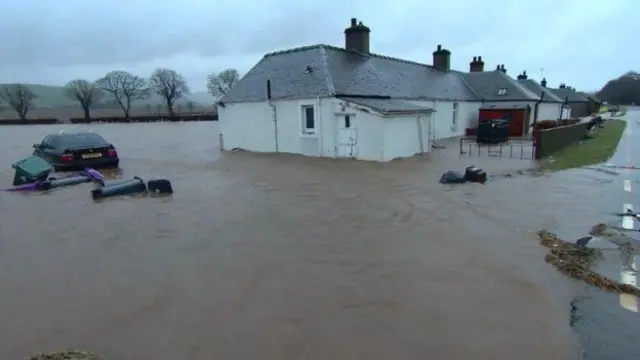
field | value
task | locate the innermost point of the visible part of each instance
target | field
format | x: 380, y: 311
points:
x: 65, y: 113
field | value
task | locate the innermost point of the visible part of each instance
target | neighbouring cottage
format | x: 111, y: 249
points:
x: 335, y: 102
x: 580, y: 103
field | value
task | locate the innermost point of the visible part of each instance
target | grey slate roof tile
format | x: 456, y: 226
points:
x: 389, y: 106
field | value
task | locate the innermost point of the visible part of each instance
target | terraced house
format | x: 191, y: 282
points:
x: 323, y: 100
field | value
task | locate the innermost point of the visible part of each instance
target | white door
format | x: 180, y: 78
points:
x: 425, y: 133
x: 347, y: 137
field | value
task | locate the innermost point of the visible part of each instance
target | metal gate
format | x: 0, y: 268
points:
x: 514, y: 149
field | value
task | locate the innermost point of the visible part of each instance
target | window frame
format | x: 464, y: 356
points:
x: 454, y: 115
x: 304, y: 130
x: 502, y: 91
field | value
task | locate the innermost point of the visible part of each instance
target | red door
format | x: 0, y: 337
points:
x: 516, y: 121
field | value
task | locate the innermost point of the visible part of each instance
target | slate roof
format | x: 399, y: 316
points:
x: 487, y: 85
x: 389, y: 106
x: 328, y: 71
x: 572, y: 95
x: 534, y: 87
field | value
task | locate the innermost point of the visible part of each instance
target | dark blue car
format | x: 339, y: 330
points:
x: 74, y: 151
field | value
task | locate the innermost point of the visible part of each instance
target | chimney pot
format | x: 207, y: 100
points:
x: 354, y: 21
x: 475, y: 59
x: 544, y: 82
x: 480, y: 58
x: 439, y: 48
x: 498, y: 67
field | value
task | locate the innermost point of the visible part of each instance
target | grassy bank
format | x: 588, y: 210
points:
x: 593, y: 151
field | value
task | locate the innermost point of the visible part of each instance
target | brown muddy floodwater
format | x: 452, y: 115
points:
x: 284, y: 257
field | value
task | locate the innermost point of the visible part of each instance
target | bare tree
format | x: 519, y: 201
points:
x: 219, y: 84
x: 84, y: 92
x: 19, y: 97
x: 170, y: 85
x: 125, y: 88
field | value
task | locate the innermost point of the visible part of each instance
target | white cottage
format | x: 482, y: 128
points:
x: 327, y: 101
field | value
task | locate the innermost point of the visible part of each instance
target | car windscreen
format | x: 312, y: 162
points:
x: 79, y: 141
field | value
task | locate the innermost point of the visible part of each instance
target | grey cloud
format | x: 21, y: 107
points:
x: 53, y: 41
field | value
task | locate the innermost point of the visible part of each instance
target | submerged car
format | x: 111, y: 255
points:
x: 72, y: 151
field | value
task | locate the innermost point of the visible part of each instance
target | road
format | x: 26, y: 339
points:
x: 609, y: 325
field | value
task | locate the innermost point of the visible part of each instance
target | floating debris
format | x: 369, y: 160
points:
x: 67, y: 355
x: 574, y: 261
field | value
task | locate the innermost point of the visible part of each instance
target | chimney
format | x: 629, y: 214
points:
x: 477, y: 65
x: 544, y: 82
x: 562, y: 86
x: 442, y: 59
x: 523, y: 76
x: 356, y: 37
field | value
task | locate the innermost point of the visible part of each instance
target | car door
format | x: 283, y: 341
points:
x: 38, y: 149
x: 46, y: 150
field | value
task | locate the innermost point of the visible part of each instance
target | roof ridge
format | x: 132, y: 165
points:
x: 325, y: 70
x: 461, y: 77
x: 336, y: 48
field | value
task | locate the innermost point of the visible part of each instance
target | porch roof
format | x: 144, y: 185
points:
x: 390, y: 107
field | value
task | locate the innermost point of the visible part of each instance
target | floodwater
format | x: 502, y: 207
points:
x: 285, y: 257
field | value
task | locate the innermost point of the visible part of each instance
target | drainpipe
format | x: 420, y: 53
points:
x: 274, y: 116
x: 420, y: 132
x: 319, y: 124
x: 536, y: 110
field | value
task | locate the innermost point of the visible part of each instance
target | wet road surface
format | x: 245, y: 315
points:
x: 609, y: 324
x: 284, y: 257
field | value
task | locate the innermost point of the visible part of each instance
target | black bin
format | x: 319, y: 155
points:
x: 474, y: 174
x: 493, y: 132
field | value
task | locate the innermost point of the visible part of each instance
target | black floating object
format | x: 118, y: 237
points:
x: 583, y: 241
x: 160, y: 186
x: 473, y: 174
x: 452, y: 177
x: 126, y: 187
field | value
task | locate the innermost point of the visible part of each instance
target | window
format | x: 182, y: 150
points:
x: 308, y: 120
x: 347, y: 122
x: 80, y: 140
x: 454, y: 119
x: 502, y: 91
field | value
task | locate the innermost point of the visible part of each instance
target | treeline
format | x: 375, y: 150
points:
x: 122, y: 89
x: 624, y: 90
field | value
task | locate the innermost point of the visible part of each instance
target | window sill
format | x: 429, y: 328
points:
x: 309, y: 135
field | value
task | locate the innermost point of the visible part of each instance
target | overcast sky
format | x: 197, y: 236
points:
x: 582, y: 43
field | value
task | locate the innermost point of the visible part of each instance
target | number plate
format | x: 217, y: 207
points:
x: 91, y: 156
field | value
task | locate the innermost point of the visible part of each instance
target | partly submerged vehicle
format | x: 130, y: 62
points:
x: 77, y: 151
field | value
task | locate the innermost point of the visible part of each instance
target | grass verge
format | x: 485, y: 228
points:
x: 593, y: 151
